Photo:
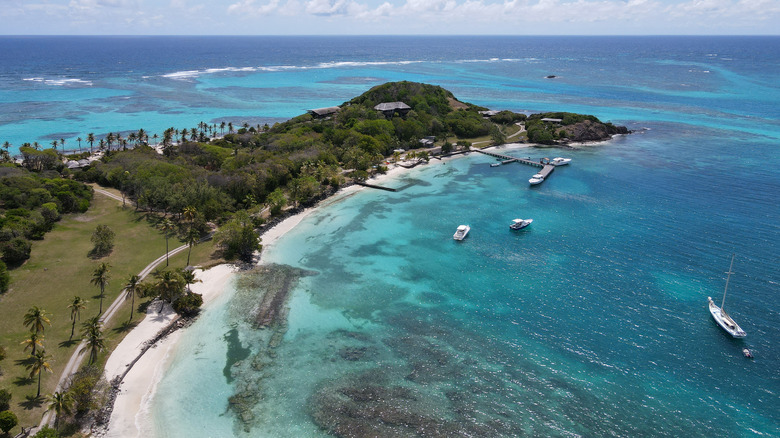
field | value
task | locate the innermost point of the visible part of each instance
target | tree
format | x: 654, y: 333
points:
x: 16, y: 250
x: 276, y: 201
x: 5, y: 399
x: 92, y: 334
x: 35, y: 319
x: 167, y: 227
x: 60, y: 403
x: 169, y: 287
x: 131, y: 289
x: 91, y: 141
x: 5, y: 277
x: 35, y: 341
x: 190, y: 213
x: 238, y: 238
x: 37, y: 366
x: 188, y: 276
x: 103, y: 239
x: 100, y: 278
x: 8, y: 421
x: 75, y: 306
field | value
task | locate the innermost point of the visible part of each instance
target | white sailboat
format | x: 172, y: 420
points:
x: 721, y: 317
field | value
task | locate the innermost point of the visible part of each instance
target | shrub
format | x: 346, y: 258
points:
x: 5, y: 279
x: 103, y: 239
x: 188, y: 305
x: 8, y: 421
x: 16, y: 250
x: 5, y: 400
x: 47, y: 432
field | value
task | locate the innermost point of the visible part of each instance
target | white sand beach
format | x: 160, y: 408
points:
x: 130, y: 416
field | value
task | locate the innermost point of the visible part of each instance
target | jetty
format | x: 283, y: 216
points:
x: 374, y: 186
x: 544, y: 163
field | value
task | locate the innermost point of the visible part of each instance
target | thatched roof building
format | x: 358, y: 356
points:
x: 390, y: 108
x: 324, y: 112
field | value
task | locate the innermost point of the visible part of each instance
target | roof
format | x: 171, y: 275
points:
x: 325, y: 111
x: 392, y: 106
x: 546, y: 119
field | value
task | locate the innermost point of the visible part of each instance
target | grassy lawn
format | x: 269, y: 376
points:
x: 59, y: 268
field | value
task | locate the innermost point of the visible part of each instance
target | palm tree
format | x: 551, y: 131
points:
x: 54, y: 145
x: 222, y: 128
x: 35, y: 318
x: 35, y: 341
x: 60, y: 403
x: 78, y: 139
x: 110, y: 139
x: 102, y: 144
x: 190, y: 213
x: 75, y: 307
x: 169, y: 287
x: 93, y: 336
x: 188, y: 276
x: 62, y: 143
x: 131, y: 288
x: 166, y: 227
x: 154, y: 137
x: 230, y: 127
x: 100, y: 278
x: 40, y: 363
x: 142, y: 135
x: 91, y: 141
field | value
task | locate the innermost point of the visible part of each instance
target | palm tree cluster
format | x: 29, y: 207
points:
x: 36, y: 319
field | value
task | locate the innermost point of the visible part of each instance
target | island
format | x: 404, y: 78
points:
x: 215, y: 189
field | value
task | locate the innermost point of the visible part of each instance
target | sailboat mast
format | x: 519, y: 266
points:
x: 727, y: 282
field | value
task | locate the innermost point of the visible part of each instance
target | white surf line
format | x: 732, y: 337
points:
x: 75, y: 360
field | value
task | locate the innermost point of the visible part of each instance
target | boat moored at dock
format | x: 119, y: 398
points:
x: 560, y: 161
x: 536, y: 179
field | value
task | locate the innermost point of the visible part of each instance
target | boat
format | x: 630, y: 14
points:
x: 721, y: 317
x: 519, y: 224
x: 747, y: 353
x: 461, y: 232
x: 560, y: 161
x: 536, y: 179
x: 495, y: 164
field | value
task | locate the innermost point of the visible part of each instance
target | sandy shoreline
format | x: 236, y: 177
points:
x: 128, y: 418
x: 130, y: 414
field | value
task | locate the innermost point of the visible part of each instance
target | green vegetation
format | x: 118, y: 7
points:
x: 30, y: 204
x: 229, y: 186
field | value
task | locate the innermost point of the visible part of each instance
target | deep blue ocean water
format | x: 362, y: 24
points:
x: 591, y: 322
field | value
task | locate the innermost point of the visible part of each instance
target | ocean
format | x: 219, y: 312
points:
x: 593, y: 321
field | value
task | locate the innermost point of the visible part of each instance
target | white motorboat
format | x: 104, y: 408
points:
x: 536, y: 179
x: 560, y: 161
x: 519, y: 224
x: 461, y: 232
x: 721, y: 317
x: 495, y: 164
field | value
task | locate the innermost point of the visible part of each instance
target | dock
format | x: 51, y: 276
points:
x: 374, y: 186
x: 547, y: 168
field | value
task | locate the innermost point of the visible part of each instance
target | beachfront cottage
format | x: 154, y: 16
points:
x: 388, y: 109
x: 321, y: 113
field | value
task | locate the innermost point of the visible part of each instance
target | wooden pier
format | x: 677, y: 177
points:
x: 547, y: 168
x: 506, y: 159
x: 374, y: 186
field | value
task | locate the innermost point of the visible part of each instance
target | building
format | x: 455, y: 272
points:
x: 324, y: 112
x: 546, y: 119
x: 389, y: 109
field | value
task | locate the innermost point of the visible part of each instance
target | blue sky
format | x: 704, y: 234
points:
x: 346, y: 17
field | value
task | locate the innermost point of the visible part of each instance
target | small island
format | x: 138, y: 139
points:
x: 214, y: 181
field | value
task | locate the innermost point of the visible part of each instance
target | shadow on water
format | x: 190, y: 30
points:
x: 235, y: 353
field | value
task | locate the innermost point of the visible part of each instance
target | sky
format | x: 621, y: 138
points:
x: 386, y: 17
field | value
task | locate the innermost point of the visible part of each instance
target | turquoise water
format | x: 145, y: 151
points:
x: 591, y: 322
